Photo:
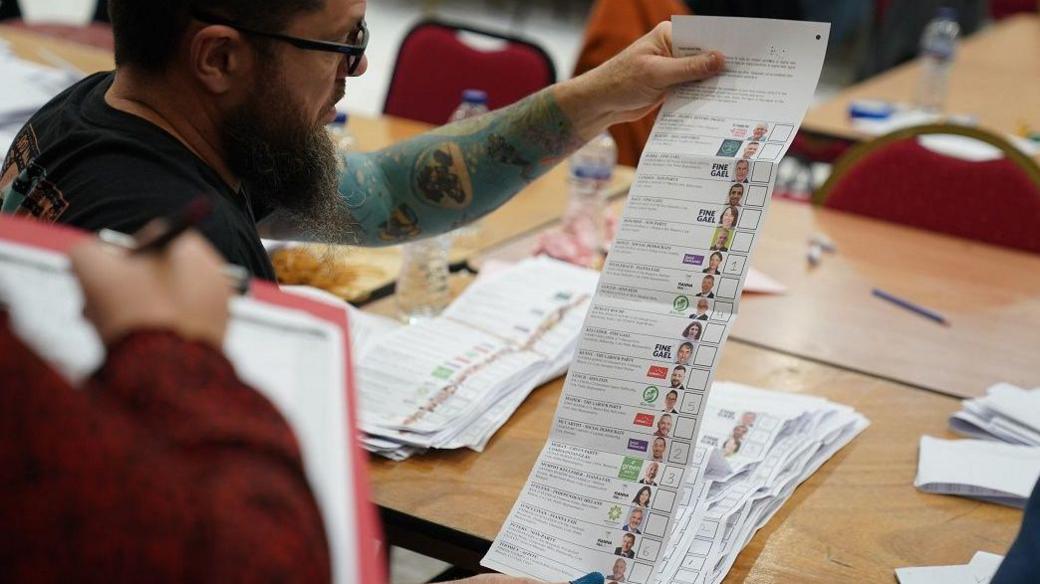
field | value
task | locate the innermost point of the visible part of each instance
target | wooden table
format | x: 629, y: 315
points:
x: 855, y: 520
x: 990, y: 295
x: 41, y: 49
x: 995, y: 77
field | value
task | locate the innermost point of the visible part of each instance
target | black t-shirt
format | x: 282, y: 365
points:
x: 84, y: 163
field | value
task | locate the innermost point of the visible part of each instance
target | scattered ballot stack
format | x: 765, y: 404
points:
x: 452, y: 381
x: 1007, y: 413
x: 755, y: 447
x: 1002, y: 464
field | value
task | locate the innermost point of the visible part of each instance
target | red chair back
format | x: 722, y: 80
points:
x: 434, y: 66
x: 894, y: 178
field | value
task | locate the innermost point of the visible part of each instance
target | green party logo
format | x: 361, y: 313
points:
x: 680, y: 304
x: 650, y: 394
x: 615, y: 513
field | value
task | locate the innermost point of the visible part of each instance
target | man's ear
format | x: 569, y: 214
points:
x: 219, y: 56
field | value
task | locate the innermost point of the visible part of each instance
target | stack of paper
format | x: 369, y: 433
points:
x: 26, y: 88
x: 980, y: 570
x: 754, y: 448
x: 452, y: 381
x: 1007, y: 413
x: 980, y: 469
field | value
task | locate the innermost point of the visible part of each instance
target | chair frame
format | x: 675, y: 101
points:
x: 860, y: 151
x: 466, y: 28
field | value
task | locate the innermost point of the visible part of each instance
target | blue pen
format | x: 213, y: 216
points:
x: 929, y: 314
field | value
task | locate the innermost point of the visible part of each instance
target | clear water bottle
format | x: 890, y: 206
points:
x: 938, y: 48
x: 591, y: 169
x: 422, y: 286
x: 474, y: 103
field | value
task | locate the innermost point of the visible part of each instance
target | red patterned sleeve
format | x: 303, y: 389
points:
x: 165, y: 467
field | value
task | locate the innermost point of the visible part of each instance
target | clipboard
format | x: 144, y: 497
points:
x: 363, y: 560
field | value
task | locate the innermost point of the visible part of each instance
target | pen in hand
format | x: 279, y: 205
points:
x: 158, y: 233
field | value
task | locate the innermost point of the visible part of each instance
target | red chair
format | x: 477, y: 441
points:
x: 434, y: 66
x: 894, y: 178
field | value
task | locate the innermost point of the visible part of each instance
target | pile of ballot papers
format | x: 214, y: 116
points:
x: 26, y: 88
x: 754, y: 448
x: 1002, y: 464
x: 452, y: 381
x: 1007, y: 413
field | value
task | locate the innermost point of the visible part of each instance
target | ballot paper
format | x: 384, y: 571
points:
x: 980, y: 570
x: 295, y: 358
x: 980, y: 469
x: 452, y: 381
x: 1006, y: 413
x: 638, y: 389
x: 783, y: 439
x: 26, y: 88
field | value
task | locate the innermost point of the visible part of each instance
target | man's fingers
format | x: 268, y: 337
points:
x: 695, y: 68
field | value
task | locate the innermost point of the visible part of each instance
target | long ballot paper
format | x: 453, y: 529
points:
x: 632, y: 403
x: 293, y: 350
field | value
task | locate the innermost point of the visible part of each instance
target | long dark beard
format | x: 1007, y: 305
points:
x: 286, y: 164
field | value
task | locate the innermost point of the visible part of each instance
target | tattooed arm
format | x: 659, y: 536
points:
x: 455, y: 174
x: 460, y: 172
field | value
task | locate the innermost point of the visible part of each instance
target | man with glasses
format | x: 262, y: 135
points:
x: 230, y: 98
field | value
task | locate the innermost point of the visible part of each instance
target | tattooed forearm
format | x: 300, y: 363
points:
x: 454, y: 174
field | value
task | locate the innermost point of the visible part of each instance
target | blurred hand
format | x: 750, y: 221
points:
x: 180, y: 289
x: 635, y: 81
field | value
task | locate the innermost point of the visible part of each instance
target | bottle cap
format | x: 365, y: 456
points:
x: 341, y: 118
x: 474, y: 96
x: 870, y: 109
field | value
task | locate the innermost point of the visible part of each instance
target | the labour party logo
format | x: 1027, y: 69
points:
x: 657, y: 372
x: 650, y: 394
x: 680, y: 304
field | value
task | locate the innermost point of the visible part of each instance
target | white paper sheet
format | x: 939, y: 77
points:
x: 637, y: 390
x: 1001, y: 473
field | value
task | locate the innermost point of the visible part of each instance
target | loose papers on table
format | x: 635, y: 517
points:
x: 452, y: 381
x: 637, y: 390
x: 980, y: 570
x: 1007, y: 413
x: 980, y: 469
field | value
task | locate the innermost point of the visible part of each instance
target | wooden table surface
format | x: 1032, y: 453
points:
x: 855, y: 520
x: 995, y: 77
x: 34, y: 47
x: 989, y: 294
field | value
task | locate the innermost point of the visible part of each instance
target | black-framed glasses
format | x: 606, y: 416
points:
x: 354, y: 50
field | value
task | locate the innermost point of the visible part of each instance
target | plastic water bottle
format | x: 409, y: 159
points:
x: 938, y: 48
x: 474, y: 103
x: 591, y: 169
x: 422, y: 286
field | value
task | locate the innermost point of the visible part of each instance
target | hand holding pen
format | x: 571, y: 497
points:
x: 175, y: 283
